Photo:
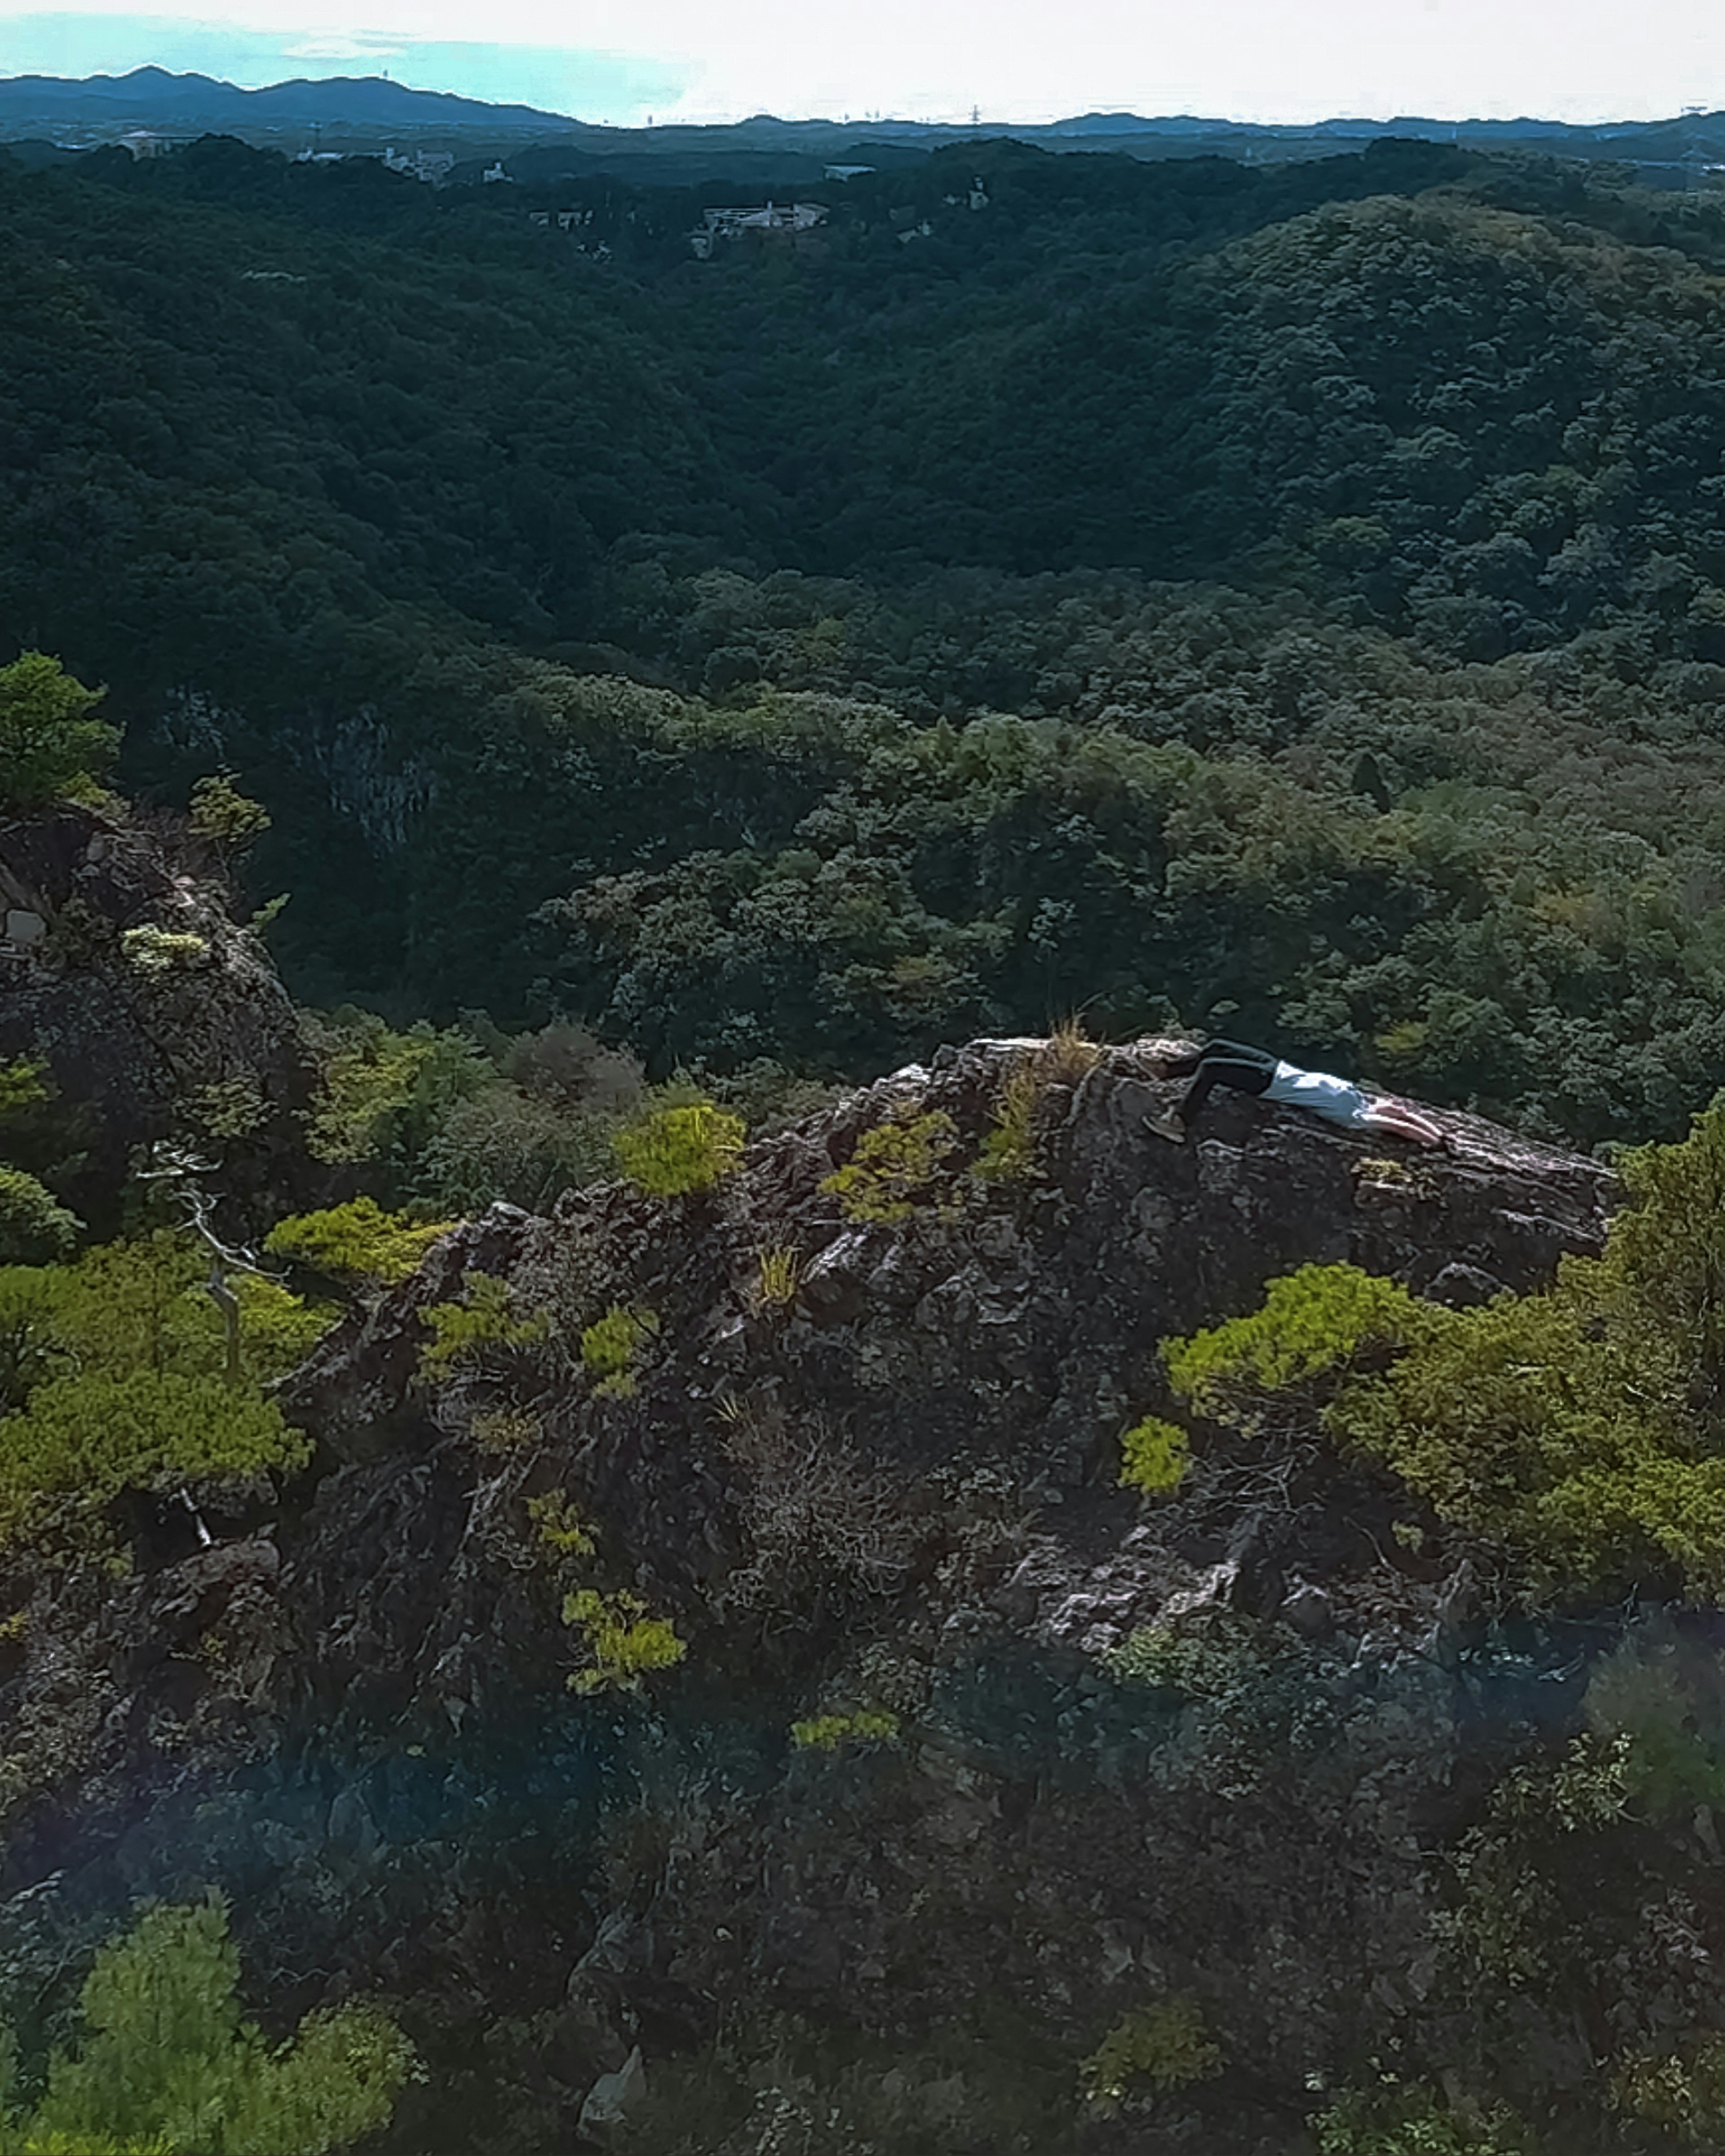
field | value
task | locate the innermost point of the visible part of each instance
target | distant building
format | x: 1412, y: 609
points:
x: 493, y: 173
x: 433, y: 166
x: 143, y: 144
x: 771, y: 220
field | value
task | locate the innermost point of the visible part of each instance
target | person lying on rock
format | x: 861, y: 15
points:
x: 1254, y: 1071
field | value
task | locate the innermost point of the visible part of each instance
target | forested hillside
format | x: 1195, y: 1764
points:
x: 1289, y: 598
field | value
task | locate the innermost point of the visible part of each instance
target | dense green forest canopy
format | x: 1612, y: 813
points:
x: 1287, y: 599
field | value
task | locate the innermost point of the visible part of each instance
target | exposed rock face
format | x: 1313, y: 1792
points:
x: 184, y: 1030
x: 898, y: 1494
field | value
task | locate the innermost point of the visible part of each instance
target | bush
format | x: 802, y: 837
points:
x: 896, y: 1166
x: 1163, y: 2044
x: 31, y: 1299
x: 87, y: 1437
x: 154, y: 949
x: 168, y: 2066
x: 50, y: 747
x: 1404, y: 2118
x: 1580, y: 1427
x: 1311, y: 1322
x: 357, y: 1243
x: 1154, y: 1456
x: 677, y: 1153
x: 861, y: 1725
x: 625, y: 1643
x: 463, y: 1330
x: 34, y: 1227
x: 609, y: 1347
x: 224, y: 816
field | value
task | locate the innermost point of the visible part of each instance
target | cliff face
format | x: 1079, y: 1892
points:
x: 156, y: 1015
x: 891, y: 1493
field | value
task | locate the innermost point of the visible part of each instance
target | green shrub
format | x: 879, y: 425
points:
x: 1581, y: 1427
x: 560, y: 1526
x: 358, y: 1242
x: 682, y: 1151
x: 462, y: 1330
x: 168, y: 2066
x: 1643, y: 1691
x: 224, y: 816
x: 34, y: 1227
x: 1311, y: 1322
x: 1405, y: 2118
x: 153, y: 949
x: 32, y: 1298
x: 860, y: 1725
x: 1681, y: 2092
x: 1163, y: 2044
x: 23, y: 1085
x: 1009, y: 1153
x: 609, y: 1347
x: 1154, y: 1456
x: 87, y: 1436
x: 50, y: 747
x: 623, y: 1643
x: 896, y: 1167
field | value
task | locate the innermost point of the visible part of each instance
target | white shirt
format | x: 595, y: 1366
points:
x: 1333, y: 1098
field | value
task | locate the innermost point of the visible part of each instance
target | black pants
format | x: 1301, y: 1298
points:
x: 1222, y: 1063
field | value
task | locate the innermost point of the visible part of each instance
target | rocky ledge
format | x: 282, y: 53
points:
x: 873, y: 1491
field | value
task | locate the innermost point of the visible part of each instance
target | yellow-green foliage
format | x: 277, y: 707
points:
x: 680, y: 1153
x: 462, y: 1330
x: 379, y: 1086
x: 86, y: 1437
x: 1661, y: 1695
x: 1311, y: 1322
x: 779, y: 1277
x: 859, y: 1725
x: 168, y: 2066
x: 142, y: 1305
x: 1009, y: 1153
x: 49, y: 745
x: 1163, y: 2044
x: 153, y: 949
x: 561, y: 1530
x: 1681, y: 2091
x: 23, y: 1084
x: 227, y: 1107
x: 1154, y: 1456
x: 624, y: 1642
x: 1405, y: 2118
x: 1583, y: 1426
x: 225, y: 816
x: 896, y: 1166
x: 609, y: 1347
x: 504, y: 1429
x: 358, y: 1242
x: 34, y: 1226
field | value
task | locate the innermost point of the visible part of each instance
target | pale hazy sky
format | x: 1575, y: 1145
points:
x: 622, y: 60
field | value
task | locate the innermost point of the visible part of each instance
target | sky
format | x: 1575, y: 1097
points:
x: 630, y: 62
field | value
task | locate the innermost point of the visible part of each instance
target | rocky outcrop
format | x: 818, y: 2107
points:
x: 893, y: 1491
x: 156, y: 1015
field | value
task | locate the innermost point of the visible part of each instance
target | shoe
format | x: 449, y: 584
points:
x: 1168, y: 1127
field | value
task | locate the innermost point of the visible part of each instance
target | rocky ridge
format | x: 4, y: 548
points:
x: 892, y: 1492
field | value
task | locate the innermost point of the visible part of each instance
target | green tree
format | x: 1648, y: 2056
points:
x: 168, y: 2065
x: 50, y: 747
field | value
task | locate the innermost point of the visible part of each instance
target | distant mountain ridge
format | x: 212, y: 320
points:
x: 356, y: 111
